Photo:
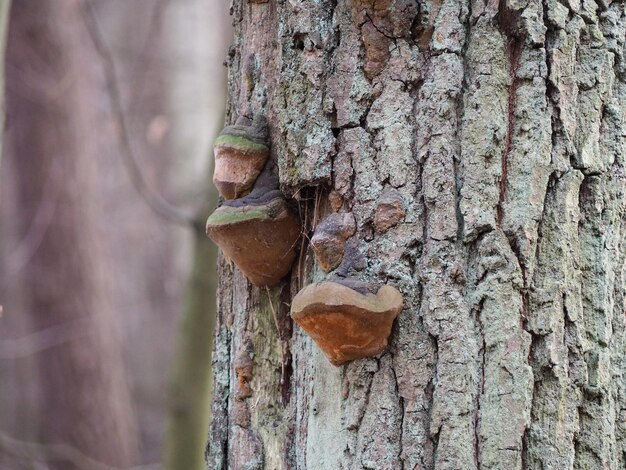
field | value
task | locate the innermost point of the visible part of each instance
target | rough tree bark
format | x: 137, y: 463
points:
x: 500, y: 125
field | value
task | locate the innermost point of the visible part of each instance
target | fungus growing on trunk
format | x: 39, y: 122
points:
x: 330, y: 237
x: 258, y: 232
x: 259, y: 236
x: 347, y: 319
x: 241, y: 152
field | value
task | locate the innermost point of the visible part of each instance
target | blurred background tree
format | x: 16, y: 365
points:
x: 93, y: 281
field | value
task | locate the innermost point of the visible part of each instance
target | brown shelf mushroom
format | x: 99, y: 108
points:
x: 330, y: 237
x: 346, y: 319
x: 240, y: 154
x: 259, y: 234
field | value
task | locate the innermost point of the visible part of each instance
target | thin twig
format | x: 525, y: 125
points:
x: 159, y: 205
x: 316, y: 208
x: 34, y: 451
x: 41, y: 340
x: 49, y: 452
x: 19, y: 257
x: 304, y: 239
x: 142, y: 71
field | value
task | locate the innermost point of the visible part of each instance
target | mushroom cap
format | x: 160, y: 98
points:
x: 260, y: 238
x: 239, y: 159
x: 345, y: 323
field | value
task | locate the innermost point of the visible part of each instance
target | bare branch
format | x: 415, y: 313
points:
x: 145, y: 60
x: 41, y: 340
x: 34, y: 451
x: 19, y: 257
x: 49, y: 452
x: 159, y: 205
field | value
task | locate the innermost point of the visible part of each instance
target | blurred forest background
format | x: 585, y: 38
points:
x: 111, y: 106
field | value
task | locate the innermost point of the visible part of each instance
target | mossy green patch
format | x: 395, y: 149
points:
x: 239, y: 143
x: 225, y: 217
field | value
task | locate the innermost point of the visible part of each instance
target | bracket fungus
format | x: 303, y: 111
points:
x: 241, y: 152
x: 330, y: 237
x: 259, y: 238
x: 347, y: 319
x: 258, y: 232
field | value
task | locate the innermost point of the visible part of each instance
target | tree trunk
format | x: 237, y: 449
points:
x: 5, y: 8
x: 52, y: 108
x: 500, y: 128
x: 195, y: 82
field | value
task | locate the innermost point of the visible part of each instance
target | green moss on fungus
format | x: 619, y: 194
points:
x: 238, y: 142
x: 225, y: 217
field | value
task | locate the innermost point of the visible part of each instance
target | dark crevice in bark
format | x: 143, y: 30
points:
x: 226, y: 463
x: 298, y: 41
x: 507, y: 21
x: 422, y: 32
x: 402, y: 413
x: 414, y: 28
x: 460, y: 111
x: 333, y: 7
x: 514, y: 55
x: 286, y: 332
x: 481, y: 384
x: 584, y: 196
x: 552, y: 91
x: 305, y: 198
x: 378, y: 28
x: 429, y: 392
x: 401, y: 450
x: 236, y: 11
x: 568, y: 326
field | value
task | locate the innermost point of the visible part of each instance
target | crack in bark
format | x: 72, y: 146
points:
x: 287, y: 367
x: 379, y: 29
x: 458, y: 167
x: 481, y: 384
x: 429, y: 392
x: 514, y: 49
x: 402, y: 414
